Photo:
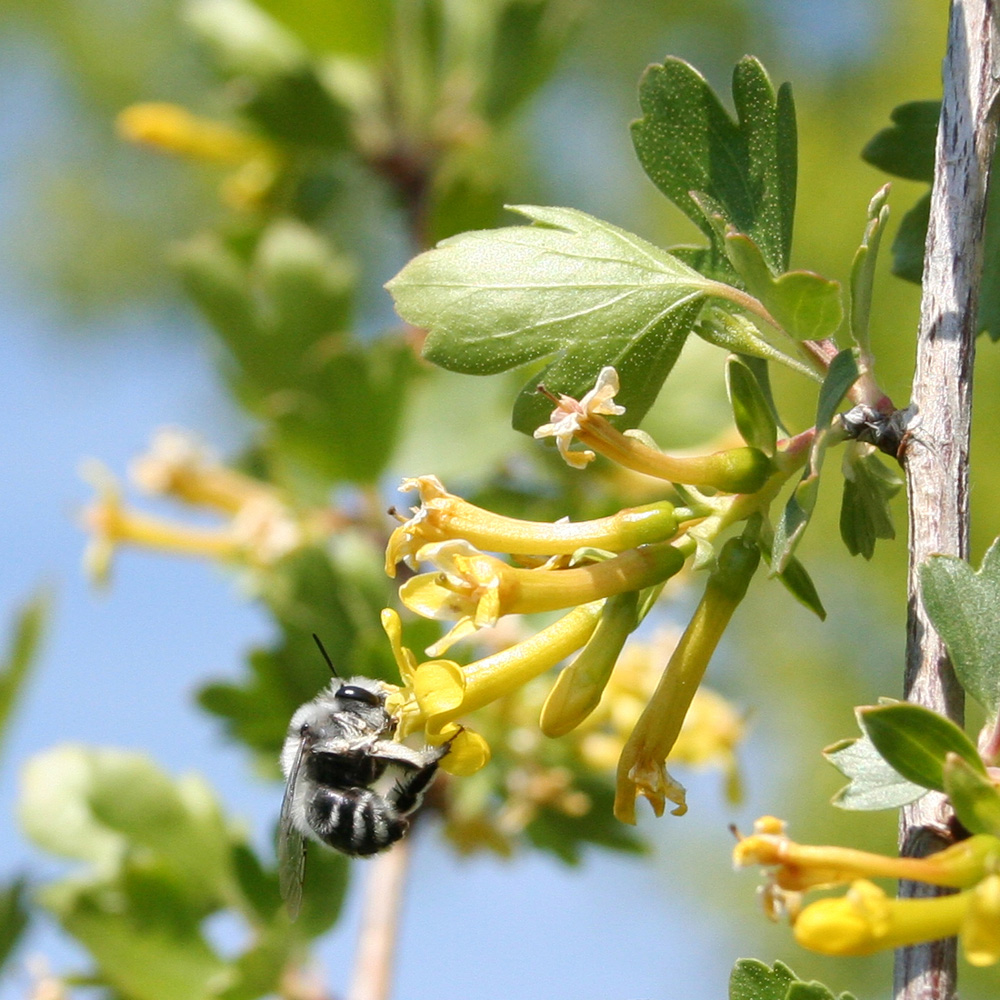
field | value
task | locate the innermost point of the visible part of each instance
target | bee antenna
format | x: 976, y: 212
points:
x: 326, y: 655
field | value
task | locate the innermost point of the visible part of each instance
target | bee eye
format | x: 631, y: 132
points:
x: 355, y: 692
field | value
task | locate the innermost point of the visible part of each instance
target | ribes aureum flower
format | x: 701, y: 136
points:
x: 867, y: 919
x: 736, y: 470
x: 442, y: 516
x: 475, y: 589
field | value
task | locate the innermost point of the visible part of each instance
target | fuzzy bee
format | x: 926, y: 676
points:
x: 338, y: 746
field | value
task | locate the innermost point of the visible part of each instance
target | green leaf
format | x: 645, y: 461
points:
x: 686, y: 141
x: 863, y: 271
x: 21, y: 653
x: 915, y: 741
x: 753, y: 980
x: 906, y: 148
x: 842, y: 374
x: 799, y: 584
x: 868, y: 487
x: 571, y: 286
x: 143, y: 935
x: 908, y: 246
x: 806, y: 305
x: 873, y: 783
x: 752, y: 410
x: 87, y: 803
x: 974, y: 797
x: 14, y: 917
x: 357, y: 28
x: 278, y: 88
x: 964, y: 607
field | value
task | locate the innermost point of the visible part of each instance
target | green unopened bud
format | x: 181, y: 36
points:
x: 739, y: 470
x: 578, y: 688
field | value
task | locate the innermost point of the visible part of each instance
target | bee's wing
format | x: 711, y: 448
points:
x: 291, y: 845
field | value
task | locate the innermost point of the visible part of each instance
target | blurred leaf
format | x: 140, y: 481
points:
x: 873, y: 784
x: 14, y: 917
x: 974, y: 797
x: 865, y: 514
x: 915, y: 741
x: 144, y: 936
x: 357, y: 28
x: 570, y: 285
x: 687, y: 142
x: 752, y: 411
x: 87, y: 803
x: 906, y: 148
x: 964, y: 606
x: 21, y: 653
x: 332, y: 404
x: 799, y: 583
x: 308, y: 592
x: 278, y: 89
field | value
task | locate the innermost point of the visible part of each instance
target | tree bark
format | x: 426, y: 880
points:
x: 936, y: 456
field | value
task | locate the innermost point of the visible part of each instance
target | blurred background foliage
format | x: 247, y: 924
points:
x: 377, y: 128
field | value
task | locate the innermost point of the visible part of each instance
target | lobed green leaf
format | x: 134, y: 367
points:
x: 570, y: 287
x: 865, y: 514
x: 687, y: 142
x: 873, y: 783
x: 915, y: 741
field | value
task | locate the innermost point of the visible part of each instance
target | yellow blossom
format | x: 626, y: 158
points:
x: 436, y: 693
x: 476, y: 589
x: 736, y: 470
x: 173, y: 129
x: 112, y: 524
x: 443, y: 516
x: 798, y: 867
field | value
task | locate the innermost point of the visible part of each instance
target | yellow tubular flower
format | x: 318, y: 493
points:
x: 173, y: 129
x: 476, y: 589
x: 438, y: 692
x: 179, y: 465
x: 443, y: 516
x: 867, y: 920
x: 980, y: 930
x: 112, y: 524
x: 738, y: 470
x: 641, y: 769
x: 798, y: 867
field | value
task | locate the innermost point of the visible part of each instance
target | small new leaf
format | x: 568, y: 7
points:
x: 686, y: 141
x: 570, y: 287
x: 868, y: 487
x: 964, y: 607
x: 916, y: 741
x: 974, y: 797
x: 863, y: 273
x: 806, y: 306
x: 873, y: 783
x: 751, y: 408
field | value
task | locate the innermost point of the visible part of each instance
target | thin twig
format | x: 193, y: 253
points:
x: 936, y: 454
x: 383, y: 901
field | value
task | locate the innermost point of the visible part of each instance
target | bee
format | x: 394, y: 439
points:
x: 338, y: 746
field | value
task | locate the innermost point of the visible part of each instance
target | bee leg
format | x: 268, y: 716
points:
x: 408, y: 791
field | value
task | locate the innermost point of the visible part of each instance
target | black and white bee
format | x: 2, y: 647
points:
x: 338, y: 746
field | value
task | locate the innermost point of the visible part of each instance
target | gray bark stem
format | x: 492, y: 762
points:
x: 936, y: 454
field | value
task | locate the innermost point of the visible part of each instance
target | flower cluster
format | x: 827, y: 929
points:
x: 471, y: 567
x: 866, y: 919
